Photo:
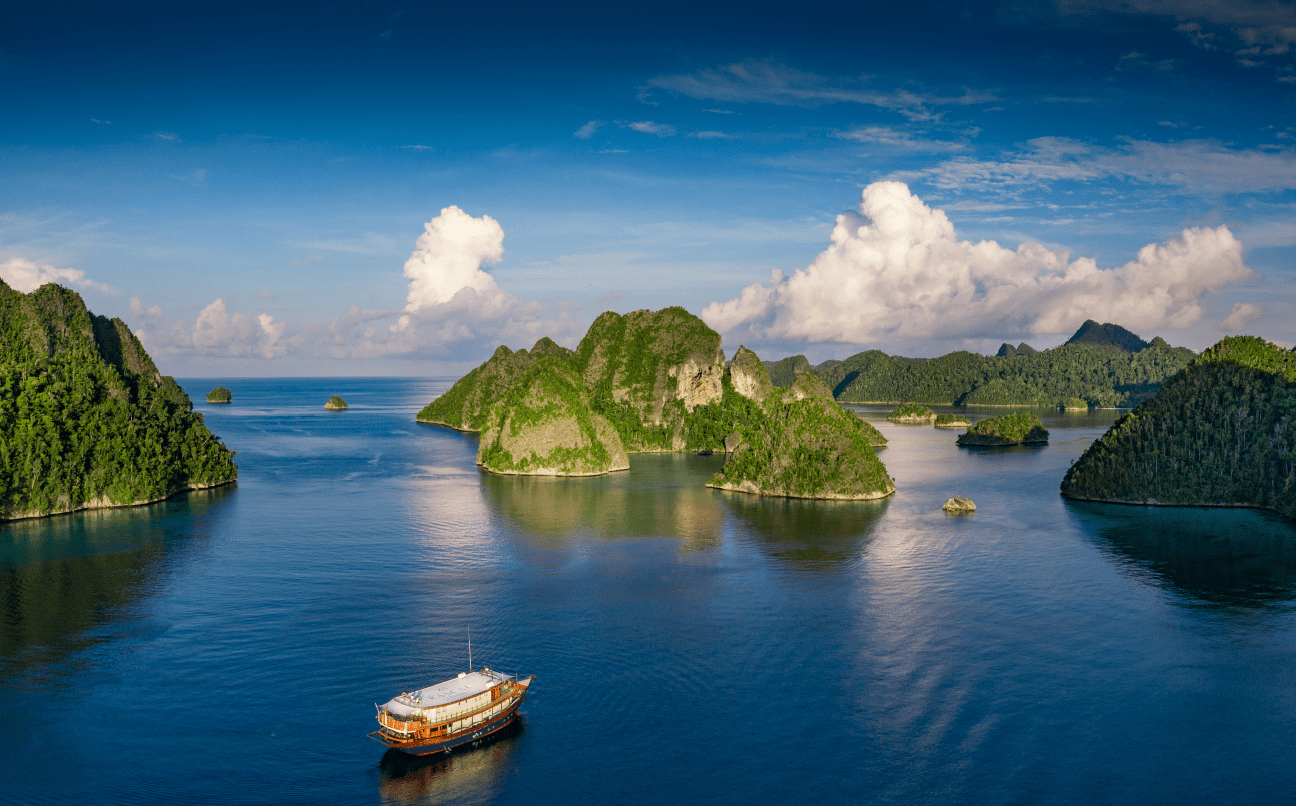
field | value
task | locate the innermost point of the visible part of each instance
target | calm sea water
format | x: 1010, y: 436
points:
x: 691, y: 646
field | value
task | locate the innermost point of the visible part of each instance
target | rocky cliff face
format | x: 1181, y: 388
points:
x: 647, y: 370
x: 750, y: 377
x: 544, y: 426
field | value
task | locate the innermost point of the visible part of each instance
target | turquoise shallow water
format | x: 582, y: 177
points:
x: 690, y: 644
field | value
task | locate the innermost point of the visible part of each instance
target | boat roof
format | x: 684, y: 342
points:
x: 456, y: 688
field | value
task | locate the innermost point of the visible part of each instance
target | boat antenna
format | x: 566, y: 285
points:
x: 470, y: 649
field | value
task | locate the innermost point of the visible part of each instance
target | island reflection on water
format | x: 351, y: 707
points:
x: 1231, y: 558
x: 65, y: 578
x: 665, y: 495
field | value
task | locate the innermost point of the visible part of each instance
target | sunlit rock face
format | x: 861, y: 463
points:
x: 750, y: 377
x: 545, y: 427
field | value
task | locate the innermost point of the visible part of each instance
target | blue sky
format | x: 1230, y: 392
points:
x: 247, y: 185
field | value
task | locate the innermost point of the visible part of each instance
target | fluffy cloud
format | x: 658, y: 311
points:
x: 897, y: 269
x: 1243, y: 314
x: 449, y: 255
x: 452, y: 304
x: 216, y: 331
x: 238, y: 334
x: 25, y: 276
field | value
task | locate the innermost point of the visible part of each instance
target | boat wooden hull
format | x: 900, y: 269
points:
x: 427, y: 747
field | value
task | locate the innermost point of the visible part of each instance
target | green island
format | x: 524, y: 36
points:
x: 656, y: 381
x: 1100, y: 366
x: 1219, y: 433
x: 220, y: 395
x: 952, y: 421
x: 1018, y: 428
x: 911, y: 413
x: 784, y: 371
x: 335, y: 403
x: 88, y: 421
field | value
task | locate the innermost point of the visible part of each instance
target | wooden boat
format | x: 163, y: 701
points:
x: 463, y: 709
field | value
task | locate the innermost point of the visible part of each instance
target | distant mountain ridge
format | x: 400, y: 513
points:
x: 1108, y: 336
x: 1006, y: 350
x: 1102, y: 365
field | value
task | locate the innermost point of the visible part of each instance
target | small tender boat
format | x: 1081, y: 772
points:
x: 463, y: 709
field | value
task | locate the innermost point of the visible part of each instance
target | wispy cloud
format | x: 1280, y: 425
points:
x: 898, y: 138
x: 1203, y: 166
x: 417, y: 147
x: 713, y: 135
x: 774, y: 83
x: 649, y: 127
x: 587, y: 131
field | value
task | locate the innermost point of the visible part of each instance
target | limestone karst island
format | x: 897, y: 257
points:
x: 656, y: 381
x: 87, y: 419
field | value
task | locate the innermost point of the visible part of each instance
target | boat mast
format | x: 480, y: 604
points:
x: 470, y: 650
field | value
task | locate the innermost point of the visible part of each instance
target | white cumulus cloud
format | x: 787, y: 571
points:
x: 897, y: 269
x: 237, y: 334
x: 1243, y: 314
x: 27, y: 276
x: 449, y: 255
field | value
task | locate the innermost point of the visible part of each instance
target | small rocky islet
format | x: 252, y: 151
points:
x: 220, y: 395
x: 335, y: 403
x: 656, y: 381
x: 1018, y: 428
x: 912, y: 414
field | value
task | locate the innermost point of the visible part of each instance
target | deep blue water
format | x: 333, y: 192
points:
x: 690, y: 645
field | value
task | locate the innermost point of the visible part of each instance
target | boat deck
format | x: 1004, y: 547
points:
x: 453, y: 690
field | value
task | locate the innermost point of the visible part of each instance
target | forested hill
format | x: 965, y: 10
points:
x: 1091, y: 370
x: 1218, y: 433
x: 86, y: 419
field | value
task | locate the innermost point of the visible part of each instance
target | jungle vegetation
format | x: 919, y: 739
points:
x: 87, y: 420
x: 911, y: 413
x: 220, y: 395
x: 1219, y: 433
x: 1010, y: 429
